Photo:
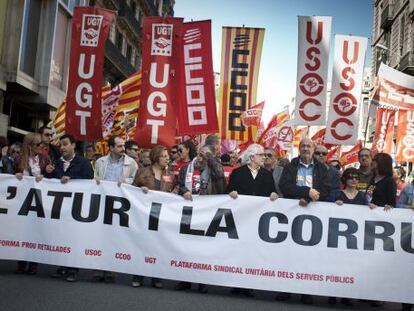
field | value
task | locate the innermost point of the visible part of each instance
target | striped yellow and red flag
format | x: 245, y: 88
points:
x: 119, y: 109
x: 240, y: 62
x: 300, y: 133
x: 277, y: 120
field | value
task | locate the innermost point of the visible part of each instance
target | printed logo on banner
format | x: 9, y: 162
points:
x: 192, y: 35
x: 161, y: 43
x: 91, y: 27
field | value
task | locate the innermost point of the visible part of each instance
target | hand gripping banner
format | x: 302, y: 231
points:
x: 312, y: 74
x: 90, y: 28
x: 240, y: 62
x: 251, y: 242
x: 197, y: 113
x: 348, y: 70
x: 161, y: 54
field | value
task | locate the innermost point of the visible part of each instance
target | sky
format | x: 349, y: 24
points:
x: 277, y: 76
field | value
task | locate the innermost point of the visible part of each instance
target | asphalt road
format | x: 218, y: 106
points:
x: 41, y: 292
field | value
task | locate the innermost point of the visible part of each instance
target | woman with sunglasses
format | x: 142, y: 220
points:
x: 186, y: 153
x: 350, y: 194
x: 31, y: 162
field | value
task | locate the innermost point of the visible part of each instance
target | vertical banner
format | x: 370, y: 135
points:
x: 384, y: 131
x: 312, y: 75
x: 405, y: 136
x: 348, y: 70
x: 197, y: 112
x: 240, y: 62
x: 161, y: 54
x: 90, y: 28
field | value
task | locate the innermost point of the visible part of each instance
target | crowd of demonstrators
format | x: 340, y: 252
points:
x: 187, y: 171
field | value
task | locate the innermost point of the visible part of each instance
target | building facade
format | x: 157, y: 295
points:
x: 393, y: 35
x: 35, y: 50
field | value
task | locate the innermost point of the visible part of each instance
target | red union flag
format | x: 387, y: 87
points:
x: 348, y: 69
x: 384, y: 131
x: 312, y: 74
x: 405, y: 136
x: 90, y: 28
x: 253, y: 115
x: 351, y: 156
x: 197, y: 102
x: 161, y: 53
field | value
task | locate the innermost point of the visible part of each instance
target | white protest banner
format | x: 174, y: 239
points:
x: 348, y: 70
x: 250, y: 242
x: 312, y: 75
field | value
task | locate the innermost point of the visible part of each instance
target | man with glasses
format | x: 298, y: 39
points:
x: 320, y: 155
x: 307, y: 180
x: 49, y: 149
x: 270, y: 159
x: 132, y: 150
x: 365, y: 173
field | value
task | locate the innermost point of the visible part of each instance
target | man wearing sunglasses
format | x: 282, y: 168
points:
x: 49, y: 149
x: 270, y: 159
x: 320, y: 155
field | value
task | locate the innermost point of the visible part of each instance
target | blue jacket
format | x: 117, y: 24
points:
x: 79, y: 168
x: 406, y: 197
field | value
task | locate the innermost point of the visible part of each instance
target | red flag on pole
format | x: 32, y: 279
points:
x: 351, y: 156
x: 90, y: 28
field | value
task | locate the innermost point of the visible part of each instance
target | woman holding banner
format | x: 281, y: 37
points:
x: 186, y: 152
x: 154, y: 177
x: 31, y: 162
x: 382, y: 189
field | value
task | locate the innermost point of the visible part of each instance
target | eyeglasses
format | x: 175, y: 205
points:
x: 318, y: 153
x: 352, y: 177
x: 268, y: 155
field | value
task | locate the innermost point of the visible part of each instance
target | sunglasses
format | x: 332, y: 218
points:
x: 318, y: 153
x: 352, y: 177
x: 268, y: 155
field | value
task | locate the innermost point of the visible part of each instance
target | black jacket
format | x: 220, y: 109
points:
x: 320, y: 182
x: 79, y: 168
x: 241, y: 180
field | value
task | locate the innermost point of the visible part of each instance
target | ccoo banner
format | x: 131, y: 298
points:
x: 90, y: 28
x: 161, y: 53
x: 251, y: 242
x: 240, y: 62
x: 312, y: 74
x: 348, y: 70
x: 197, y: 103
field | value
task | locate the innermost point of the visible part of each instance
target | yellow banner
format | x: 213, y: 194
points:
x: 240, y: 63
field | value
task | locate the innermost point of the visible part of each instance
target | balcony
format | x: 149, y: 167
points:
x: 127, y: 15
x: 407, y: 63
x: 119, y: 61
x: 387, y: 17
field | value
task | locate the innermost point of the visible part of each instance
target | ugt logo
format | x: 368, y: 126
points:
x: 91, y: 27
x: 161, y: 43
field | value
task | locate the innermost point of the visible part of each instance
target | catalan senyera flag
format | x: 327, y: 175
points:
x: 119, y: 109
x: 276, y: 121
x: 240, y: 62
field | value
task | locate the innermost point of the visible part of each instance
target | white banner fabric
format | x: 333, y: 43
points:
x: 314, y: 33
x: 348, y: 70
x: 250, y: 242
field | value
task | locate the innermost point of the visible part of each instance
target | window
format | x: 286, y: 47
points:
x: 60, y: 57
x: 119, y: 39
x: 129, y: 53
x: 31, y: 24
x: 402, y: 34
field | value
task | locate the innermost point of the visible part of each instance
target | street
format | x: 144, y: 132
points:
x: 41, y: 292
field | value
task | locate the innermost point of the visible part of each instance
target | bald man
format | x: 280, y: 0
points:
x: 305, y: 178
